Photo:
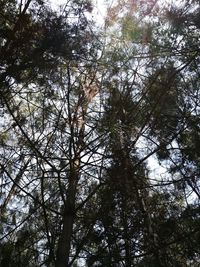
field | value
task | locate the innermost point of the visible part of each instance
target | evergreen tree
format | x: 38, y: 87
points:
x: 85, y: 113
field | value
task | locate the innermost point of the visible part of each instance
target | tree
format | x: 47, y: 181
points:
x: 45, y: 69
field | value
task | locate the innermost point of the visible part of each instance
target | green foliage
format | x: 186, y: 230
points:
x: 85, y: 116
x: 130, y: 29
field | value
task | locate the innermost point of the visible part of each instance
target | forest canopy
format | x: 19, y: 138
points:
x: 100, y: 134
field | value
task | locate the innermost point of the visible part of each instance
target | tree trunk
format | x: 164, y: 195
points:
x: 64, y: 244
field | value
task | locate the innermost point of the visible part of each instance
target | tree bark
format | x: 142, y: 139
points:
x: 64, y: 244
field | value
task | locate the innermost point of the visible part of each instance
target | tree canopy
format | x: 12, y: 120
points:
x: 99, y: 134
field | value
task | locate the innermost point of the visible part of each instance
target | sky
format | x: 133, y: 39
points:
x: 99, y: 8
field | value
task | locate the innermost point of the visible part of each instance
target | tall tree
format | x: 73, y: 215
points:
x: 47, y: 83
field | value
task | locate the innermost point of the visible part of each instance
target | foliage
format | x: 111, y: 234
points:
x: 87, y: 115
